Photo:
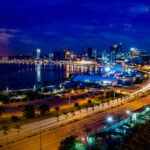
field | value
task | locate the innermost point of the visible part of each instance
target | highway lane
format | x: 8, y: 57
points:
x: 51, y: 138
x: 33, y: 128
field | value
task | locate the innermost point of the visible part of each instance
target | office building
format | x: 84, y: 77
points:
x: 38, y: 53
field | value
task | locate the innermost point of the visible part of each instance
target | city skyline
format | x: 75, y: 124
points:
x: 28, y: 25
x: 75, y: 75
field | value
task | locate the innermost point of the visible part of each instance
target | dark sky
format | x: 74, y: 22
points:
x: 55, y: 24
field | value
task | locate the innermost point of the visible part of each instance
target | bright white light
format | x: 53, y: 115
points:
x: 147, y: 108
x: 128, y: 111
x: 107, y: 69
x: 132, y: 49
x: 38, y: 50
x: 7, y: 89
x: 34, y: 87
x: 83, y: 139
x: 134, y: 116
x: 109, y: 119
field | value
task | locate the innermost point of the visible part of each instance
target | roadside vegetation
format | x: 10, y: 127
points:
x: 32, y: 113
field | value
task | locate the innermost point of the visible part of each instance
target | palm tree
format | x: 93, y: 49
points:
x: 57, y: 114
x: 2, y: 110
x: 78, y: 108
x: 98, y: 105
x: 102, y: 104
x: 89, y: 102
x: 57, y: 109
x: 6, y: 130
x: 87, y: 106
x: 108, y: 102
x: 73, y: 113
x: 66, y: 115
x: 76, y: 105
x: 43, y: 109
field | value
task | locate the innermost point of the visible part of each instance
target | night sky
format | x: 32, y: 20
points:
x: 55, y: 24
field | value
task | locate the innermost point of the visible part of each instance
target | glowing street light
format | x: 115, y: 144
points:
x: 109, y: 119
x: 132, y: 49
x: 147, y: 108
x: 7, y: 89
x: 128, y: 112
x: 72, y: 91
x: 107, y: 69
x: 34, y: 87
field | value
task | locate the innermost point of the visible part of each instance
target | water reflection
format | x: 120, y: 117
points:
x: 38, y: 74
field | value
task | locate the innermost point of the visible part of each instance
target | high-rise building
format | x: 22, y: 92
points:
x: 104, y: 56
x: 67, y: 53
x: 134, y: 55
x: 51, y: 55
x: 113, y: 57
x: 95, y: 54
x: 92, y: 53
x: 143, y: 58
x: 116, y: 52
x: 38, y: 53
x: 117, y: 48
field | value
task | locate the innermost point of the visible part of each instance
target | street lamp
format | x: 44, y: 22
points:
x: 109, y: 119
x: 7, y: 89
x: 1, y: 103
x: 34, y: 87
x: 72, y: 91
x: 128, y: 112
x: 147, y: 109
x: 107, y: 69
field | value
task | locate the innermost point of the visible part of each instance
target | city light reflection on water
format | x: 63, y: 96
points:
x: 34, y: 73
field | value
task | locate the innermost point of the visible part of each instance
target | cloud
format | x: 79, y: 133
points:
x: 5, y: 37
x: 27, y: 41
x: 139, y: 9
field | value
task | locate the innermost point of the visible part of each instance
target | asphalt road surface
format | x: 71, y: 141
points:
x: 51, y: 138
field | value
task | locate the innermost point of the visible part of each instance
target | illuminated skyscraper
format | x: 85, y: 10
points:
x: 38, y: 53
x: 134, y: 53
x: 104, y: 56
x: 51, y: 55
x: 67, y: 53
x: 116, y: 52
